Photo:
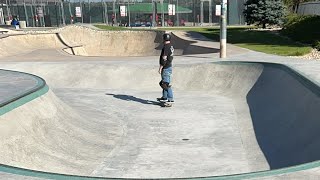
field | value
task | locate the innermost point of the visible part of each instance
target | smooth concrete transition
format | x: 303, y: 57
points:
x: 15, y: 84
x: 124, y: 133
x: 120, y: 128
x: 82, y: 41
x: 284, y: 107
x: 100, y: 118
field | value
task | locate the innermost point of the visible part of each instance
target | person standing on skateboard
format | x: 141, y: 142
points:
x: 165, y: 69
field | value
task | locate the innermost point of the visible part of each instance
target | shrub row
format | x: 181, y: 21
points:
x: 305, y: 29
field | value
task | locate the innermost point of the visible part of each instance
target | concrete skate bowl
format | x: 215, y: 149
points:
x: 283, y: 110
x: 15, y: 44
x: 83, y: 41
x: 128, y: 43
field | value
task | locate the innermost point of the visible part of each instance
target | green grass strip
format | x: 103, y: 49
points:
x: 269, y: 42
x: 111, y: 28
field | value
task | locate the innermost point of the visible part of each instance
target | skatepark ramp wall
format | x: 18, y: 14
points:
x: 113, y: 43
x: 125, y: 43
x: 284, y: 107
x: 129, y: 43
x: 84, y: 41
x: 211, y: 77
x: 46, y: 133
x: 16, y: 44
x: 285, y: 111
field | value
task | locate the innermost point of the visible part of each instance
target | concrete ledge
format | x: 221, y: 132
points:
x: 23, y: 93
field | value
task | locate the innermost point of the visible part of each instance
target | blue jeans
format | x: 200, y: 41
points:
x: 166, y: 77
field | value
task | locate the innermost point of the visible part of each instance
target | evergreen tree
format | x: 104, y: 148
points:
x: 263, y: 12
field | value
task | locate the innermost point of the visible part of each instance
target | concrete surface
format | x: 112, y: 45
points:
x: 100, y: 117
x: 16, y: 177
x: 14, y: 84
x: 84, y: 41
x: 122, y: 116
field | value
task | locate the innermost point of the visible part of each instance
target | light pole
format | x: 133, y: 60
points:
x: 223, y: 29
x: 62, y: 13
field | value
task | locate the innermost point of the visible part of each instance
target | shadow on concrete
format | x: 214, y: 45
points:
x: 197, y: 57
x: 133, y: 98
x: 197, y: 37
x: 185, y: 47
x: 285, y: 111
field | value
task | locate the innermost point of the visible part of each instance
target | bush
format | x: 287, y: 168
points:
x: 305, y: 29
x: 317, y: 45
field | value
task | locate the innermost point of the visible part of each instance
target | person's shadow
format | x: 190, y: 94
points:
x: 132, y: 98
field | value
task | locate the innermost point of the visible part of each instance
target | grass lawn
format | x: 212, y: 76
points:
x: 111, y: 28
x: 262, y: 41
x: 119, y: 28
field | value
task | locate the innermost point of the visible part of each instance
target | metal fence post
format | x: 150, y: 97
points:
x: 223, y: 30
x: 62, y: 13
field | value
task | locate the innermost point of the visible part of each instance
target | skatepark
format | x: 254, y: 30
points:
x: 81, y: 103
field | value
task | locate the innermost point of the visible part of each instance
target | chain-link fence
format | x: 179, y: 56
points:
x: 118, y: 12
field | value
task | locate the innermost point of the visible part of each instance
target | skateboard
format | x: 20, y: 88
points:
x: 164, y: 104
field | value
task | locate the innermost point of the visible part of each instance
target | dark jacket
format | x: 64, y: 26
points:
x: 14, y: 22
x: 167, y: 50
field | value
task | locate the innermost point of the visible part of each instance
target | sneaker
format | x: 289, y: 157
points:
x: 170, y: 101
x: 162, y: 99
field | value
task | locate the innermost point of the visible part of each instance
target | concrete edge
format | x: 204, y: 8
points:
x: 47, y: 175
x: 26, y: 172
x: 304, y: 79
x: 41, y: 83
x: 23, y: 100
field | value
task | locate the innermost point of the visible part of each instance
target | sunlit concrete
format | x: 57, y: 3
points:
x: 100, y: 117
